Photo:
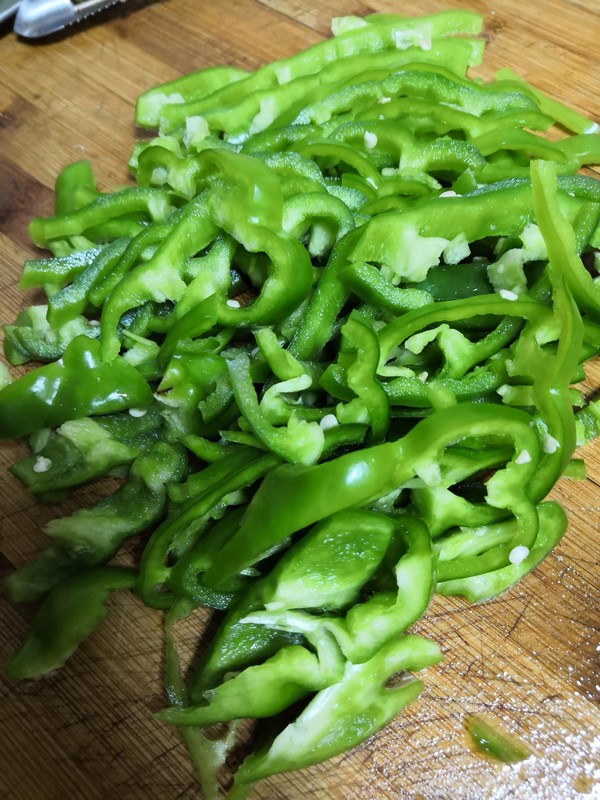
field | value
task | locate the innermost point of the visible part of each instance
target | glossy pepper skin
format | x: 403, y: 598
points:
x: 78, y: 385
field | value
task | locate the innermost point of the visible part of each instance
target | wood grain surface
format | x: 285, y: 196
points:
x: 527, y: 661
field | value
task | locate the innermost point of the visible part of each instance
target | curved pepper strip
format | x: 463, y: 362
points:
x: 228, y: 475
x: 326, y: 216
x: 158, y: 279
x: 503, y: 210
x: 90, y: 536
x: 422, y: 116
x: 185, y: 576
x: 363, y: 476
x: 397, y: 331
x: 183, y: 90
x: 392, y: 139
x: 430, y: 82
x: 551, y: 385
x: 32, y: 337
x: 66, y: 617
x: 368, y: 626
x: 266, y: 689
x: 75, y: 187
x: 306, y: 576
x: 344, y: 714
x: 481, y: 587
x: 361, y: 378
x: 208, y: 755
x: 78, y: 385
x: 298, y: 442
x: 72, y: 300
x: 559, y: 112
x: 79, y: 452
x: 480, y: 383
x: 153, y: 203
x: 244, y: 199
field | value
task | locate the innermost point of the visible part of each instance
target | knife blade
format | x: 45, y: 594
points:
x: 37, y: 18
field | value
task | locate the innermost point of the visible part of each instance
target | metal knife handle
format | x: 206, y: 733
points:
x: 37, y: 18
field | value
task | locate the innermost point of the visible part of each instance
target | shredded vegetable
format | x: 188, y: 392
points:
x: 329, y: 339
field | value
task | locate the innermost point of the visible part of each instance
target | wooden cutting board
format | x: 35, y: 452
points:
x: 526, y: 661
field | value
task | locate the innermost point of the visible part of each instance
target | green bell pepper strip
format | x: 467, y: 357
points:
x: 471, y: 541
x: 78, y: 385
x: 90, y: 536
x: 346, y: 713
x: 429, y: 82
x: 108, y: 278
x: 283, y: 365
x: 208, y: 755
x: 481, y: 587
x: 185, y: 576
x: 281, y: 139
x: 587, y: 423
x: 160, y: 278
x: 422, y: 117
x: 237, y: 645
x: 277, y: 105
x: 569, y: 154
x: 32, y: 337
x: 190, y: 379
x: 551, y: 383
x: 304, y: 576
x: 315, y: 328
x: 246, y: 202
x: 206, y: 450
x: 211, y: 275
x: 329, y: 565
x: 67, y: 616
x: 517, y: 139
x: 479, y: 384
x: 326, y: 216
x: 228, y: 475
x: 504, y: 210
x: 198, y: 483
x: 368, y: 626
x: 369, y: 39
x: 367, y: 282
x: 81, y: 451
x: 391, y: 138
x: 153, y: 203
x: 401, y: 328
x: 559, y: 112
x: 267, y: 689
x: 361, y: 378
x: 495, y: 556
x: 561, y: 243
x: 299, y: 442
x: 363, y: 476
x: 74, y: 188
x: 73, y: 300
x: 55, y: 273
x: 184, y: 89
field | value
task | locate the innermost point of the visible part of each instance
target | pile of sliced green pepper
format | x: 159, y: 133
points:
x: 328, y: 341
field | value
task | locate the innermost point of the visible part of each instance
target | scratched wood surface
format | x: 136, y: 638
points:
x: 526, y: 661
